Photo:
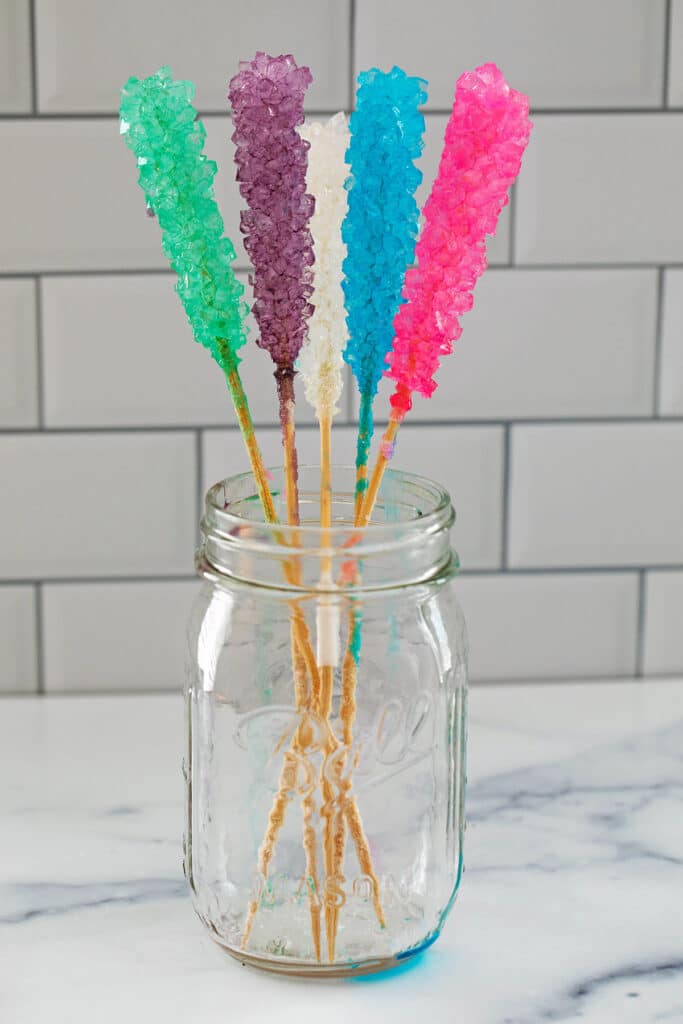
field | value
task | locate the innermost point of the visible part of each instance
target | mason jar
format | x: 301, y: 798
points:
x: 326, y: 714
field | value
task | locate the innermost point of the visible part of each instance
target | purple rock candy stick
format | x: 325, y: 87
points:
x: 267, y: 100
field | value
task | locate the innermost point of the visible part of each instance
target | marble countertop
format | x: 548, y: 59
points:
x: 571, y: 907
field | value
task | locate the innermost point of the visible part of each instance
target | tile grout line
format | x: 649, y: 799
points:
x: 122, y: 429
x: 505, y: 511
x: 113, y: 115
x: 570, y: 570
x: 666, y: 64
x: 644, y: 111
x: 40, y: 639
x: 89, y: 272
x: 217, y: 112
x: 34, y: 57
x: 519, y: 571
x: 59, y: 581
x: 540, y: 268
x: 659, y: 333
x: 40, y: 352
x: 640, y: 624
x: 582, y: 420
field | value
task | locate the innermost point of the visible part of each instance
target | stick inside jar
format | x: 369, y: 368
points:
x: 320, y: 364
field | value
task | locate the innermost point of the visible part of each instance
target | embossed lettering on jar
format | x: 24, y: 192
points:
x: 326, y: 706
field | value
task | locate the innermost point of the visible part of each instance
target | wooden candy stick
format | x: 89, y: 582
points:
x: 285, y: 383
x: 327, y: 658
x: 339, y: 810
x: 485, y: 138
x: 366, y: 429
x: 380, y: 228
x: 386, y: 451
x: 287, y: 782
x: 320, y: 365
x: 276, y: 819
x: 267, y: 98
x: 267, y: 101
x: 292, y: 573
x: 303, y: 661
x: 160, y: 125
x: 386, y: 132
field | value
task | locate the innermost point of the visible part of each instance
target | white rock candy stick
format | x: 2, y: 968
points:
x: 320, y: 365
x: 320, y: 361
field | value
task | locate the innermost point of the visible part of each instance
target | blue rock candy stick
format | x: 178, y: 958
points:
x: 381, y: 226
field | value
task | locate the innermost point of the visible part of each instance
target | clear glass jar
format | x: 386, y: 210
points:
x: 326, y: 707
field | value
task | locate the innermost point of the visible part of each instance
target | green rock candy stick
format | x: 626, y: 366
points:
x: 160, y: 125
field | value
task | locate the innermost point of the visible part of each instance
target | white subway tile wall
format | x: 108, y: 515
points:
x: 16, y: 87
x: 600, y: 188
x: 69, y: 199
x: 18, y: 353
x: 578, y: 54
x: 675, y: 76
x: 663, y: 641
x: 84, y: 624
x: 18, y: 648
x: 202, y: 40
x: 671, y: 361
x: 557, y: 424
x: 551, y: 626
x: 97, y: 504
x: 590, y: 494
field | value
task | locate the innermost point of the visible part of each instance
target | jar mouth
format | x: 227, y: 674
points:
x: 407, y: 536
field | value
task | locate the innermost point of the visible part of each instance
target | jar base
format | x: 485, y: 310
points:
x: 303, y: 969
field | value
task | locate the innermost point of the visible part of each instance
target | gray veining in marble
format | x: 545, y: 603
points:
x: 571, y: 907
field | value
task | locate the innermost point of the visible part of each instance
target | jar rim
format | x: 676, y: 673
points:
x: 218, y: 498
x: 410, y: 523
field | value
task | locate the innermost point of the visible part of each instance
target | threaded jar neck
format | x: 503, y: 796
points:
x: 407, y: 540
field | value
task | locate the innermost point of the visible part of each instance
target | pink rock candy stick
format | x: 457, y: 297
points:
x: 486, y: 136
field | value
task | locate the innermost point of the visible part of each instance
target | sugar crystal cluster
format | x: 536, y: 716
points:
x: 382, y: 222
x: 486, y: 135
x: 267, y: 100
x: 320, y: 360
x: 159, y: 124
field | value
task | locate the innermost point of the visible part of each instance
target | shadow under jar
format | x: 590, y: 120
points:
x: 326, y: 711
